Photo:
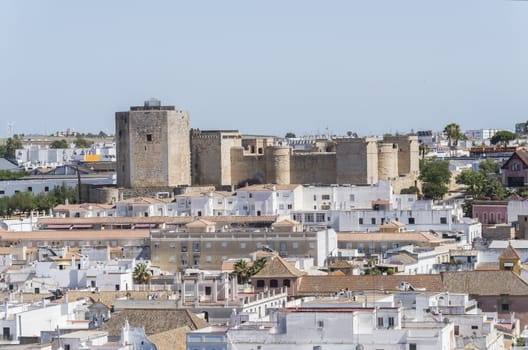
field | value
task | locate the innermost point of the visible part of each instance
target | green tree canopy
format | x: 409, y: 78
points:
x: 435, y: 176
x: 474, y: 181
x: 12, y: 144
x: 242, y: 271
x: 489, y: 166
x: 141, y: 274
x: 453, y: 134
x: 59, y: 144
x: 503, y: 137
x: 290, y: 135
x: 81, y: 142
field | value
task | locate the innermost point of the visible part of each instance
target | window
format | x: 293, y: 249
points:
x: 315, y: 197
x: 286, y: 283
x: 320, y: 217
x: 412, y: 346
x: 443, y: 220
x: 208, y: 245
x: 208, y: 258
x: 361, y: 221
x: 196, y: 259
x: 320, y: 324
x: 373, y: 221
x: 295, y: 245
x: 184, y: 260
x: 172, y: 245
x: 325, y: 197
x: 156, y: 245
x: 274, y: 283
x: 260, y: 284
x: 30, y: 189
x: 380, y: 321
x: 149, y: 137
x: 290, y: 206
x: 474, y: 327
x: 224, y: 244
x: 411, y: 221
x: 391, y: 321
x: 505, y: 307
x: 457, y: 330
x: 184, y: 247
x: 242, y: 245
x: 352, y: 198
x: 309, y: 217
x: 196, y: 247
x: 311, y: 245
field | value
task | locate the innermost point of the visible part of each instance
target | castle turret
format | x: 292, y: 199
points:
x: 278, y: 165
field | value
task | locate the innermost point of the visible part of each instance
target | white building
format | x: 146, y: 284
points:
x: 19, y: 319
x: 334, y: 328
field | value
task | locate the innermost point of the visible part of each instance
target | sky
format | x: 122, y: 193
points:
x: 265, y: 67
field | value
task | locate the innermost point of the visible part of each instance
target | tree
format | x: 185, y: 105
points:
x: 489, y: 166
x: 102, y: 134
x: 22, y: 201
x: 474, y: 181
x: 453, y: 134
x: 59, y: 144
x: 424, y: 149
x: 12, y: 144
x: 257, y: 266
x: 141, y: 274
x: 503, y: 137
x: 435, y: 176
x: 290, y: 135
x: 242, y: 271
x: 81, y: 142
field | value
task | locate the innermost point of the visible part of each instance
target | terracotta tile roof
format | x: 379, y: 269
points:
x: 278, y: 267
x: 510, y: 253
x: 75, y: 235
x: 387, y: 236
x: 153, y: 320
x: 340, y: 264
x: 402, y: 258
x: 112, y: 220
x: 393, y: 224
x: 146, y: 200
x: 328, y: 285
x: 269, y: 187
x: 198, y: 194
x: 485, y: 283
x: 84, y: 206
x: 338, y: 273
x: 174, y: 339
x: 488, y: 266
x: 287, y: 222
x: 200, y: 223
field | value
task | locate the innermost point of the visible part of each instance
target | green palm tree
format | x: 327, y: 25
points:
x: 141, y: 273
x: 257, y: 266
x: 453, y: 134
x: 242, y: 271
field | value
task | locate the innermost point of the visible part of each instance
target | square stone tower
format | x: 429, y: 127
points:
x: 153, y: 146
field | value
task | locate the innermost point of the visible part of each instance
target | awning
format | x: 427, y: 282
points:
x: 58, y: 226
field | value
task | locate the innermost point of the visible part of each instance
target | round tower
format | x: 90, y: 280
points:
x: 278, y: 165
x: 387, y: 161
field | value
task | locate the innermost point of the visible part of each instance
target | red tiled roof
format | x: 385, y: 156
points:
x: 326, y: 285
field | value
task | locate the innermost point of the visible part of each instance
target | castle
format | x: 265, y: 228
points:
x: 157, y: 148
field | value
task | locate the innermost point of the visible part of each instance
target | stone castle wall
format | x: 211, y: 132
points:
x: 311, y: 168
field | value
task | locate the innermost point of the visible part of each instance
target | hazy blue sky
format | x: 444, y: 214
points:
x: 266, y: 67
